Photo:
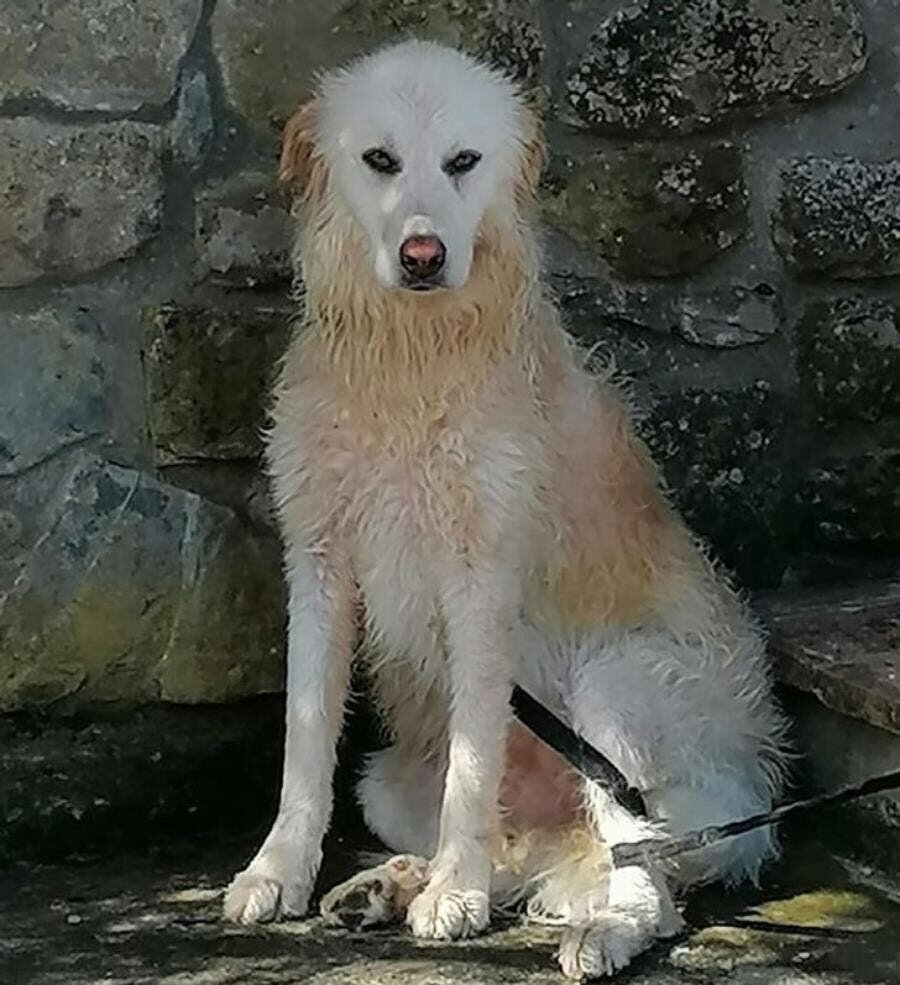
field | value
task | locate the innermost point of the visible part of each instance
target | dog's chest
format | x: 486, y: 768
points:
x: 410, y: 501
x: 408, y: 495
x: 404, y: 523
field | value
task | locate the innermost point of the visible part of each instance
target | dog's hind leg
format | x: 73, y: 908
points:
x: 638, y: 911
x: 608, y: 924
x: 400, y: 794
x: 602, y: 939
x: 610, y: 915
x: 376, y: 896
x: 401, y: 800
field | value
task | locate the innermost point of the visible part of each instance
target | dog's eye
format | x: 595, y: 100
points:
x: 464, y: 161
x: 378, y: 159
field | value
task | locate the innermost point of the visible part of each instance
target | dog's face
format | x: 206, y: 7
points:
x: 420, y: 143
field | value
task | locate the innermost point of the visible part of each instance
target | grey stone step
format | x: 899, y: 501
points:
x: 837, y: 651
x: 841, y: 645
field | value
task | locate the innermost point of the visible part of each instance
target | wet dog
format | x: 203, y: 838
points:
x: 455, y: 489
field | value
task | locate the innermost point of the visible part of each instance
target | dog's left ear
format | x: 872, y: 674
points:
x: 300, y: 160
x: 533, y: 158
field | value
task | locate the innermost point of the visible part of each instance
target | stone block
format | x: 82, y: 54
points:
x: 52, y: 384
x: 722, y: 455
x: 729, y: 315
x: 839, y: 218
x: 94, y: 54
x: 849, y: 497
x: 680, y: 65
x: 131, y: 590
x: 244, y: 232
x: 103, y: 781
x: 651, y: 210
x: 208, y: 374
x: 839, y: 751
x: 192, y: 128
x: 76, y: 197
x: 270, y: 51
x: 848, y: 361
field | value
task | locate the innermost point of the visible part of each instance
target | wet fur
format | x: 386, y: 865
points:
x: 456, y: 488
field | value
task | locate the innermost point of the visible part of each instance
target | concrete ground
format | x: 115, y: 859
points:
x: 156, y: 919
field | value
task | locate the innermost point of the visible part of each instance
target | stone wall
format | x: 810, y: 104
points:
x: 722, y: 213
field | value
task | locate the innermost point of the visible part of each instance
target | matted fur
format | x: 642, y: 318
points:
x: 452, y: 483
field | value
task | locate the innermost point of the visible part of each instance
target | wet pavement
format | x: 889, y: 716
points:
x: 816, y: 921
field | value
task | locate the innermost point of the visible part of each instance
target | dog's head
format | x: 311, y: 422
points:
x: 418, y: 145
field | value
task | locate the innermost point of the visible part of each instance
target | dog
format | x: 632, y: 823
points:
x: 459, y: 493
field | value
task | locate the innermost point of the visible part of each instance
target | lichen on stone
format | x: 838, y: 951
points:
x: 652, y: 210
x: 847, y: 354
x: 839, y: 217
x: 680, y: 65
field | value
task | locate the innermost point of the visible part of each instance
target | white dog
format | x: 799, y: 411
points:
x: 452, y: 483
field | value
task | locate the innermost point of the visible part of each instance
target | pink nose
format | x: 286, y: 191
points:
x: 422, y: 256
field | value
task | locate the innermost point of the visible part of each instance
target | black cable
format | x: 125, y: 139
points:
x: 590, y: 762
x: 657, y: 849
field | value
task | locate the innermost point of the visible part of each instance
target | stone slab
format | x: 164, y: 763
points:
x: 193, y: 127
x: 842, y: 646
x: 731, y: 314
x: 117, y: 587
x: 850, y: 496
x: 269, y: 52
x: 129, y: 778
x: 52, y: 384
x: 847, y: 352
x: 244, y: 231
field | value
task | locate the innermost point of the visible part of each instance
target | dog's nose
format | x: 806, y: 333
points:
x: 422, y: 256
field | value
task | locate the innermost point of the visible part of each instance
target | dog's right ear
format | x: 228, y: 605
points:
x: 300, y: 159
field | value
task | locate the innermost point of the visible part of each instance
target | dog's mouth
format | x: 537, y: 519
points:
x: 421, y: 286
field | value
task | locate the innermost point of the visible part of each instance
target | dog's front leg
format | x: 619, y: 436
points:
x: 478, y: 624
x: 279, y: 880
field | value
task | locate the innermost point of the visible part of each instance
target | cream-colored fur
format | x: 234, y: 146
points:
x: 455, y: 486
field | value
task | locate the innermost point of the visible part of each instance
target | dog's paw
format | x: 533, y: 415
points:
x: 600, y: 948
x: 450, y: 914
x: 257, y: 897
x: 376, y: 896
x: 360, y: 902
